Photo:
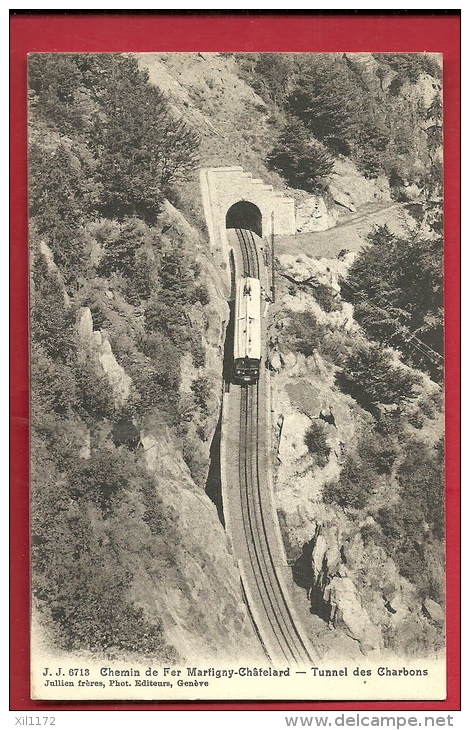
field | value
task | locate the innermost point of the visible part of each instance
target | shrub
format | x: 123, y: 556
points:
x: 300, y: 159
x: 354, y: 486
x: 202, y: 389
x: 326, y: 297
x: 94, y: 390
x: 377, y: 451
x: 201, y: 294
x: 54, y: 388
x: 316, y: 441
x: 396, y: 288
x: 198, y: 353
x: 99, y: 478
x: 169, y: 320
x: 52, y: 323
x: 371, y: 377
x: 165, y: 360
x: 305, y: 333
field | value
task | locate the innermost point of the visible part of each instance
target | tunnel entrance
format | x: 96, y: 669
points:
x: 245, y: 215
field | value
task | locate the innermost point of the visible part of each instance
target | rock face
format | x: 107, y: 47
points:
x: 312, y: 214
x: 350, y: 583
x: 351, y: 190
x: 333, y: 593
x: 347, y: 612
x: 96, y: 346
x: 303, y: 393
x: 199, y: 599
x: 357, y: 590
x: 433, y: 610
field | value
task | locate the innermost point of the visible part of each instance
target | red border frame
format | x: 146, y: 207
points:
x: 226, y: 32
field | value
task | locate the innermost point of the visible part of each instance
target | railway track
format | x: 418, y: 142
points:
x: 285, y: 640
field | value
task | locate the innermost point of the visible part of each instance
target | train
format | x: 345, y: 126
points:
x: 247, y: 331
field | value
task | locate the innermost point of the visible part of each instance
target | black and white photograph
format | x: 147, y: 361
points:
x: 236, y: 376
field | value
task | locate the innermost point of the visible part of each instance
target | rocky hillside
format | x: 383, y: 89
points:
x: 358, y: 474
x: 127, y: 331
x: 128, y: 318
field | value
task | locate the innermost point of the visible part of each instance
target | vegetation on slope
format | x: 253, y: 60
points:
x: 396, y: 288
x: 371, y: 116
x: 391, y: 481
x: 104, y: 153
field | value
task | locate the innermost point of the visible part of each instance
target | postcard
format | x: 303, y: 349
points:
x: 236, y: 376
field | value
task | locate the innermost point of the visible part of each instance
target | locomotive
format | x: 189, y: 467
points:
x: 247, y: 335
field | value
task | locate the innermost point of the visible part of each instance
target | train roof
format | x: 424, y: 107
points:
x: 247, y: 340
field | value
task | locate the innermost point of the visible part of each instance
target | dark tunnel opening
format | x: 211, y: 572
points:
x: 245, y: 215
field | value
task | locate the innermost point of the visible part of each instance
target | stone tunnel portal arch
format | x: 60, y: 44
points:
x: 245, y: 215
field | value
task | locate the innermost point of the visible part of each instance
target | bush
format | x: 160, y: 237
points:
x: 201, y: 294
x: 316, y: 441
x: 371, y: 377
x: 99, y: 478
x: 377, y: 451
x: 354, y: 486
x: 155, y: 386
x: 421, y: 480
x: 169, y: 321
x: 304, y: 333
x: 165, y: 359
x: 416, y: 522
x: 198, y: 353
x: 326, y: 297
x: 52, y: 323
x: 300, y: 159
x: 55, y: 388
x: 202, y: 389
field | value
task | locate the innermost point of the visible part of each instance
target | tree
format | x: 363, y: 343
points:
x: 137, y: 149
x: 329, y: 103
x: 301, y: 160
x: 60, y: 195
x: 409, y: 66
x: 142, y: 150
x: 396, y: 288
x: 271, y: 75
x: 354, y: 486
x: 129, y: 253
x: 422, y: 484
x: 54, y: 81
x: 52, y: 322
x: 372, y: 378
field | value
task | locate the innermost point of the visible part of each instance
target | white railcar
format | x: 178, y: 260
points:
x: 247, y: 339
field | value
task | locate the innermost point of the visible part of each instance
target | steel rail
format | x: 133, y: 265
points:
x: 294, y: 634
x: 253, y: 543
x: 273, y: 600
x: 260, y: 537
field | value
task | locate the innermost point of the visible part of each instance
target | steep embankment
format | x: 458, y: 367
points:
x: 343, y: 469
x: 127, y: 326
x: 349, y: 418
x: 157, y: 521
